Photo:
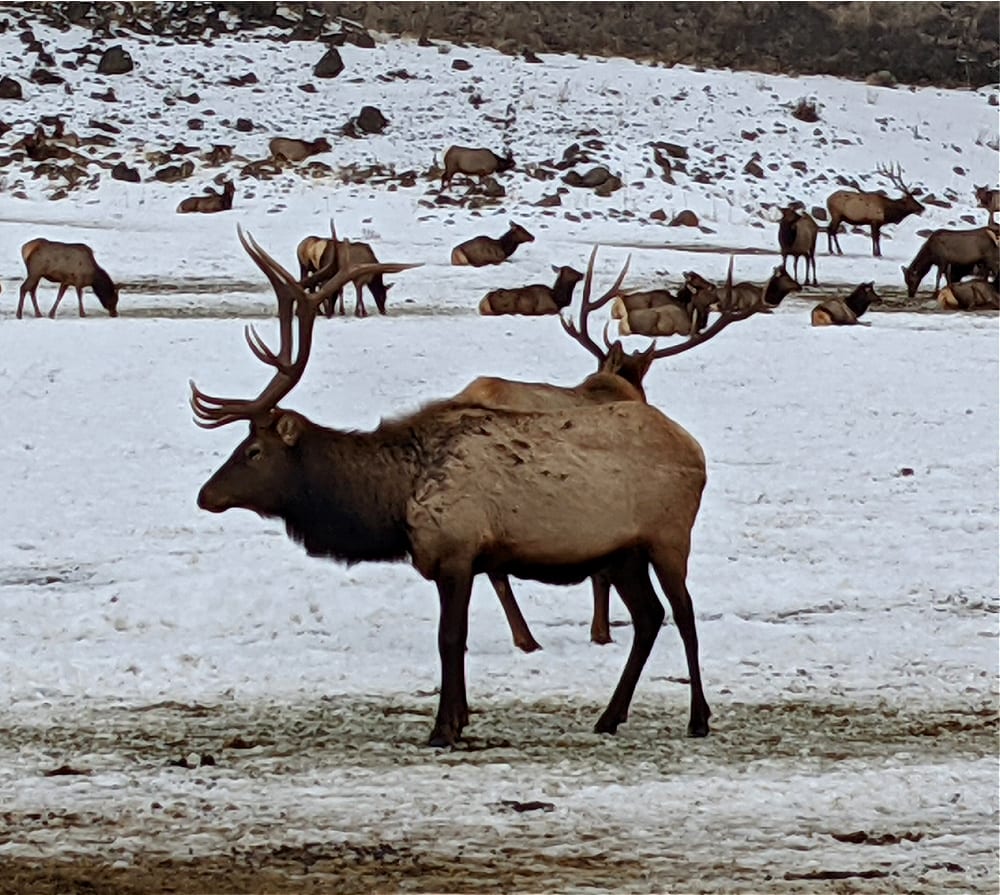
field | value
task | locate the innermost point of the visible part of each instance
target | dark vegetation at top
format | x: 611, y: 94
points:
x: 947, y: 44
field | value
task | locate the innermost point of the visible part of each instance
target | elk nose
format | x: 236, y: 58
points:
x: 209, y: 499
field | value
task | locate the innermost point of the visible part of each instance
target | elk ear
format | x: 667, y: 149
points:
x: 289, y: 428
x: 616, y: 355
x: 556, y: 269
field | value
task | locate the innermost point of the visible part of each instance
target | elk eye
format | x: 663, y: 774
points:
x: 254, y: 451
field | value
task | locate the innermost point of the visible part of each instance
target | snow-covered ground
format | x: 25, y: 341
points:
x: 844, y: 569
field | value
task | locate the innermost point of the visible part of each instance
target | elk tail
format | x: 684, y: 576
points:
x: 458, y: 257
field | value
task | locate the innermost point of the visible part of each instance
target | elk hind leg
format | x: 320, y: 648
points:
x: 600, y: 624
x: 523, y: 638
x: 631, y: 579
x: 454, y: 591
x: 672, y: 574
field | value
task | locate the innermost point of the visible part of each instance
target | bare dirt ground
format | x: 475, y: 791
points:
x: 203, y: 820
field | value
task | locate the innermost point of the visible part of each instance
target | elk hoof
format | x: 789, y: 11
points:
x: 443, y: 736
x: 606, y: 724
x: 528, y: 646
x: 698, y: 727
x: 600, y: 636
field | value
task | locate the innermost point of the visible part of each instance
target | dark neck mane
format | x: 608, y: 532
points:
x: 859, y: 300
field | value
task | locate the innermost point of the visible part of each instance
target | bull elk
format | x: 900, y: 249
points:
x: 482, y: 250
x: 210, y: 203
x: 988, y: 199
x: 535, y: 300
x: 333, y: 254
x: 473, y: 163
x: 618, y: 377
x: 846, y: 311
x: 797, y: 232
x: 970, y: 295
x: 296, y: 150
x: 68, y: 264
x: 955, y: 253
x: 415, y: 489
x: 870, y: 209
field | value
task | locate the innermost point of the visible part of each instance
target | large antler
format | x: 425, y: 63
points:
x: 727, y: 315
x: 212, y: 411
x: 581, y: 332
x: 895, y: 176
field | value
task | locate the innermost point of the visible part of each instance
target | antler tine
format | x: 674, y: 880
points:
x: 343, y: 277
x: 581, y: 332
x: 726, y: 316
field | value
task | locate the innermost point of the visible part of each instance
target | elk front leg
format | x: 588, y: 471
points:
x: 454, y: 590
x: 600, y: 624
x: 631, y: 580
x: 59, y: 297
x: 519, y: 629
x: 79, y: 301
x: 877, y: 240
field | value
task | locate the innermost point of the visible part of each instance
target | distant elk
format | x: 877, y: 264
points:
x: 296, y: 150
x: 751, y: 297
x: 619, y: 377
x: 483, y: 250
x: 211, y: 203
x: 535, y: 300
x: 465, y: 490
x: 988, y: 199
x: 328, y: 257
x: 846, y: 311
x: 473, y: 163
x: 970, y: 295
x: 659, y: 312
x: 871, y: 209
x: 955, y: 253
x: 68, y: 264
x: 797, y: 233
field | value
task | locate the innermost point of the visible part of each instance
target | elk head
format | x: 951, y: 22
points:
x: 895, y: 176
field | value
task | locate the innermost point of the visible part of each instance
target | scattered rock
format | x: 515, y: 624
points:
x: 243, y: 125
x: 115, y: 61
x: 371, y: 121
x: 549, y: 201
x: 686, y: 218
x: 330, y: 65
x: 461, y: 65
x: 753, y: 168
x: 121, y: 171
x: 881, y: 78
x: 10, y: 89
x: 658, y: 215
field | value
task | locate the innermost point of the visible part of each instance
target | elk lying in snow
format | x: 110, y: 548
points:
x: 751, y: 297
x: 473, y: 163
x: 955, y: 253
x: 618, y: 377
x: 68, y: 264
x: 296, y: 150
x: 988, y: 199
x: 658, y: 312
x: 797, y: 233
x: 970, y: 295
x: 483, y: 250
x: 338, y: 254
x: 415, y: 489
x: 872, y: 209
x: 534, y: 300
x: 845, y: 311
x: 211, y: 203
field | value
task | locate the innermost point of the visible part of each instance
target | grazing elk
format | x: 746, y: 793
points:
x: 846, y: 311
x: 561, y: 498
x: 339, y: 254
x: 68, y: 264
x: 955, y: 253
x: 482, y: 250
x: 473, y: 163
x: 309, y: 254
x: 296, y: 150
x: 970, y: 295
x: 618, y: 377
x: 988, y: 199
x: 872, y: 209
x: 211, y: 203
x: 797, y: 232
x: 535, y: 300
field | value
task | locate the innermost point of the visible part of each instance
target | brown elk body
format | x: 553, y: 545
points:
x: 535, y: 300
x: 482, y: 250
x: 473, y: 162
x: 328, y: 257
x: 955, y: 253
x: 296, y: 150
x: 415, y: 489
x: 68, y: 264
x: 871, y: 209
x: 845, y: 311
x: 797, y: 232
x: 970, y: 295
x: 211, y: 203
x: 988, y: 199
x: 755, y: 298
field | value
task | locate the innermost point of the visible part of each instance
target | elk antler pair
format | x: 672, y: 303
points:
x: 895, y: 175
x: 211, y: 411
